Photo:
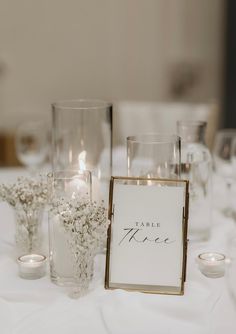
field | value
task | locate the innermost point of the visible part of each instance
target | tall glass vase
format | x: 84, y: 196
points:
x: 196, y: 166
x: 82, y: 138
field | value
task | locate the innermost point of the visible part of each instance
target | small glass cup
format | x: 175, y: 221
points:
x: 154, y: 155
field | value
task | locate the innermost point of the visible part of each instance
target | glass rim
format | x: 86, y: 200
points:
x: 81, y: 104
x: 201, y: 256
x: 192, y: 123
x: 72, y: 172
x: 21, y: 260
x: 154, y: 138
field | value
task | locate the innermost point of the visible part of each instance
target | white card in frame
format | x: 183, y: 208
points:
x: 147, y: 238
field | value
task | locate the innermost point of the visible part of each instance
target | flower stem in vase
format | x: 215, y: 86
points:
x: 30, y: 229
x: 84, y: 224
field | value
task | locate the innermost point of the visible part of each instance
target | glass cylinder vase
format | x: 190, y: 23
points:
x: 196, y: 166
x: 82, y: 137
x: 154, y: 155
x: 67, y: 258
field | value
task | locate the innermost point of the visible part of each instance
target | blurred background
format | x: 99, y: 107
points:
x: 140, y: 55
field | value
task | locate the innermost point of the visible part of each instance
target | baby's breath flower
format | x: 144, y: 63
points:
x: 85, y: 222
x: 28, y: 193
x: 28, y: 197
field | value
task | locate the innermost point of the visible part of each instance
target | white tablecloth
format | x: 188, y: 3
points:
x: 38, y: 306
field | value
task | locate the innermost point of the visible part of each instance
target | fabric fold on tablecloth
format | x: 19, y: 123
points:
x: 140, y: 313
x: 116, y: 312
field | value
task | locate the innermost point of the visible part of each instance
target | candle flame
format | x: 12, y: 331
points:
x: 149, y: 182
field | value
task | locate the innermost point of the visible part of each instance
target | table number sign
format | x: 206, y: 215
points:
x: 147, y: 238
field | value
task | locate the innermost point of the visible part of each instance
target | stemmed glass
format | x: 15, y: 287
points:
x: 222, y: 157
x: 32, y: 144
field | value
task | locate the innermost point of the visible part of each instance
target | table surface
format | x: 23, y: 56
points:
x: 38, y: 306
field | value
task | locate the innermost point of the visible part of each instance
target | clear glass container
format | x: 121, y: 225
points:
x: 28, y: 235
x: 65, y: 184
x: 154, y: 155
x: 196, y: 166
x: 82, y: 139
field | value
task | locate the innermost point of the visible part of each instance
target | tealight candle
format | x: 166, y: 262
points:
x: 32, y: 266
x: 212, y: 264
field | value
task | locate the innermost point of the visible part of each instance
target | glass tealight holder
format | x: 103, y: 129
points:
x: 211, y: 264
x: 32, y: 266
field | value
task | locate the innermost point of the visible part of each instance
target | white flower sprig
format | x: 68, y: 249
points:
x: 85, y: 224
x: 84, y: 221
x: 28, y: 197
x: 28, y: 193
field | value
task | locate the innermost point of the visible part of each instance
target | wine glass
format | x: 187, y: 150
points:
x: 31, y: 143
x: 222, y: 157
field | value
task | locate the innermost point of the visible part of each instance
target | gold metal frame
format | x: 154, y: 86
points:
x: 149, y: 288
